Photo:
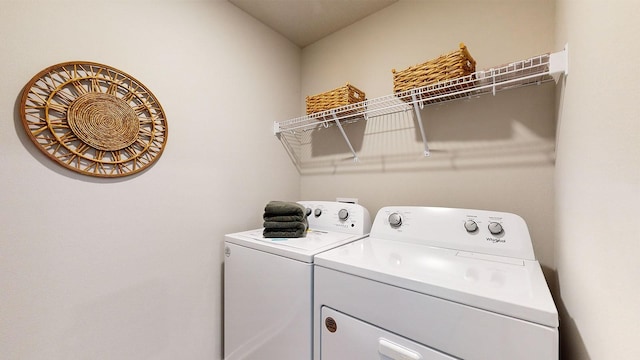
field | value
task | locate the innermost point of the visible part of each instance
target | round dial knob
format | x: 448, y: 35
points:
x: 317, y: 212
x: 308, y: 211
x: 395, y: 220
x: 470, y: 225
x: 495, y: 228
x: 343, y: 214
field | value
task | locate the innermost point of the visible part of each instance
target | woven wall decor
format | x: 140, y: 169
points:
x: 93, y: 119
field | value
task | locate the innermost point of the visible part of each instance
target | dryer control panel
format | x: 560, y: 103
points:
x: 477, y: 231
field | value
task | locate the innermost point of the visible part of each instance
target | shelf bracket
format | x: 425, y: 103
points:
x: 493, y: 82
x: 559, y: 63
x: 416, y: 109
x: 344, y: 135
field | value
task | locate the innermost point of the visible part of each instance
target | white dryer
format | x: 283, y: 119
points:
x: 268, y: 283
x: 435, y: 283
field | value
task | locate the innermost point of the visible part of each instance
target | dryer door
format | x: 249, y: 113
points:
x: 345, y: 337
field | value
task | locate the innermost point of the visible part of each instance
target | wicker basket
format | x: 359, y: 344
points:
x: 341, y: 96
x: 453, y: 65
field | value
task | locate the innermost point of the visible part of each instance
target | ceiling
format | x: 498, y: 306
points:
x: 307, y: 21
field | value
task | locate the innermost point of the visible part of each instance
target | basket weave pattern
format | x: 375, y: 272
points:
x: 453, y: 65
x: 341, y: 96
x: 103, y: 121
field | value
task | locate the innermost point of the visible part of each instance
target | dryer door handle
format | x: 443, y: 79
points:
x: 394, y: 351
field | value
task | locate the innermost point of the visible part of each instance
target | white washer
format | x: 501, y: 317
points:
x: 435, y: 283
x: 268, y: 283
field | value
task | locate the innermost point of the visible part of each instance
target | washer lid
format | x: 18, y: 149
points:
x: 504, y: 285
x: 302, y: 249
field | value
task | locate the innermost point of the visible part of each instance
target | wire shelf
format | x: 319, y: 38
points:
x: 535, y: 70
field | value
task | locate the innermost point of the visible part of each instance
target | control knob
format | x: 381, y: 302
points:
x: 470, y: 226
x: 317, y: 212
x: 343, y: 214
x: 495, y: 228
x: 395, y: 220
x: 308, y: 212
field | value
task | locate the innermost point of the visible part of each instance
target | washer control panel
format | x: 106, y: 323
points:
x: 482, y: 231
x: 336, y: 216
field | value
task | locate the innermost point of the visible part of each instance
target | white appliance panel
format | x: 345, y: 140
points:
x: 301, y: 249
x: 445, y: 228
x: 508, y: 286
x: 449, y: 327
x: 337, y: 217
x: 462, y: 282
x: 267, y: 302
x: 345, y: 337
x: 268, y: 294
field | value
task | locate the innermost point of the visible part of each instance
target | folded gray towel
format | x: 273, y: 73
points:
x: 285, y: 218
x: 285, y: 225
x: 282, y: 233
x: 290, y: 229
x: 279, y: 208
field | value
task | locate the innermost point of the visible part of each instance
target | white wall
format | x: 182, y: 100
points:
x: 492, y: 153
x: 130, y: 268
x: 598, y: 181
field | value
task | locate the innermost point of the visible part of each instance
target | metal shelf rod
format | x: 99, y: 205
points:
x: 419, y: 119
x: 346, y: 138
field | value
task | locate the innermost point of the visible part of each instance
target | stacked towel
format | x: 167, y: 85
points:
x: 284, y: 219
